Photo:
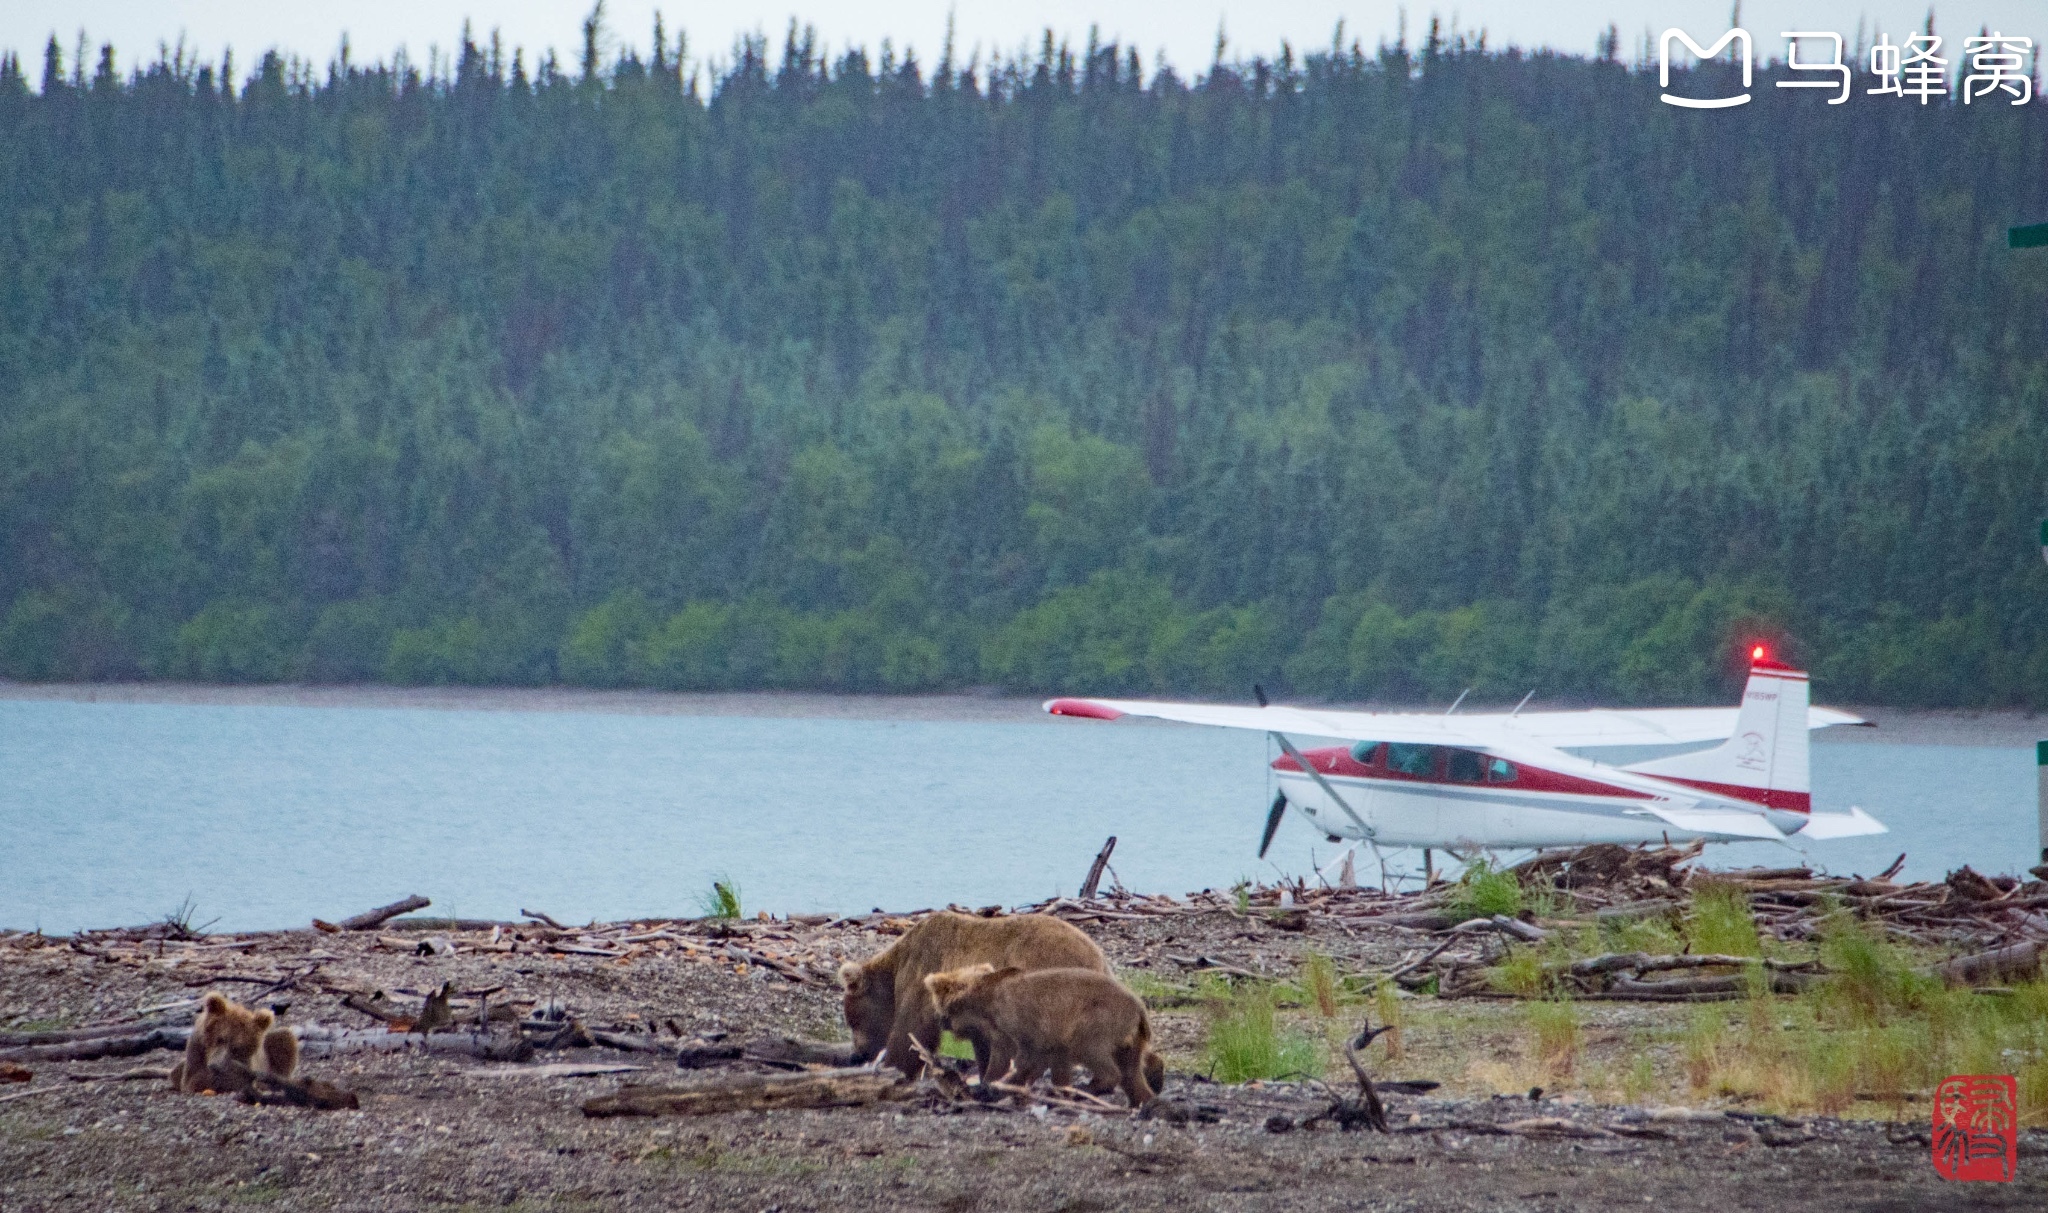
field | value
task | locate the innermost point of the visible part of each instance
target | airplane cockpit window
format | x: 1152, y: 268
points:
x: 1408, y: 758
x: 1467, y: 766
x: 1500, y: 770
x: 1364, y: 752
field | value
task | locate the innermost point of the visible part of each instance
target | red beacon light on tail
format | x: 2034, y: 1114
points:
x: 1760, y: 658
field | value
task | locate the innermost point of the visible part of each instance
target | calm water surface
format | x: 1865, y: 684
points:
x: 267, y: 816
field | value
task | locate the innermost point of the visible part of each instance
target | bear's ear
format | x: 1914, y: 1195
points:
x: 852, y: 976
x: 216, y: 1004
x: 945, y: 987
x: 263, y: 1019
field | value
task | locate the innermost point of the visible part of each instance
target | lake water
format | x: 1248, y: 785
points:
x: 266, y: 816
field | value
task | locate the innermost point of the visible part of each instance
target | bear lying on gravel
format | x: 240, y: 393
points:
x: 1050, y: 1019
x: 886, y: 1001
x: 228, y: 1032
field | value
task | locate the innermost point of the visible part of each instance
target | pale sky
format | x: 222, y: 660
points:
x: 1185, y: 30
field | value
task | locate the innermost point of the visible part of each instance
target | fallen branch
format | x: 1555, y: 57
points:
x: 789, y: 1051
x: 1070, y: 1098
x: 559, y: 1069
x: 1413, y: 965
x: 1094, y: 878
x: 60, y: 1036
x: 854, y: 1087
x: 630, y: 1042
x: 369, y: 1007
x: 1210, y: 964
x: 1367, y: 1111
x: 743, y: 956
x: 1642, y: 962
x: 256, y: 1087
x: 537, y: 916
x: 1551, y: 1126
x: 103, y: 1046
x: 374, y: 918
x: 1700, y: 989
x: 697, y: 1054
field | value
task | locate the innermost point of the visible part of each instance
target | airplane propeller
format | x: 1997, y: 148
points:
x: 1273, y: 816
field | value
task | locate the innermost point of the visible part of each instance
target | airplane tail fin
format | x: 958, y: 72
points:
x: 1765, y: 760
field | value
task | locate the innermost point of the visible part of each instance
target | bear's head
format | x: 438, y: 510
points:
x: 870, y: 1008
x: 948, y: 988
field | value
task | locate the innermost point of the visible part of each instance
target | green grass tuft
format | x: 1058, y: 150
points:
x: 1554, y: 1023
x: 1319, y: 987
x: 1483, y: 891
x: 1720, y: 923
x: 1246, y: 1041
x: 722, y: 899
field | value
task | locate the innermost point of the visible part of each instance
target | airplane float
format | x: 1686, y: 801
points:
x: 1515, y: 780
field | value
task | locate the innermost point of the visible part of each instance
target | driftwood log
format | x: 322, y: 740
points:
x: 2015, y: 963
x: 1093, y: 881
x: 796, y: 1054
x: 373, y: 918
x: 1699, y: 989
x: 844, y: 1088
x: 329, y: 1042
x: 58, y: 1036
x: 101, y: 1046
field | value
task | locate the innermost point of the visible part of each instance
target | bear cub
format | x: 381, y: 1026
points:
x: 228, y: 1032
x: 1031, y: 1022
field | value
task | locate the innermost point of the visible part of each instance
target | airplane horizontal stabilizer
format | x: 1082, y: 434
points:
x: 1841, y: 825
x: 1737, y: 822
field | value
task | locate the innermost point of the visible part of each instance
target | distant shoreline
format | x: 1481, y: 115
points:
x: 1895, y: 725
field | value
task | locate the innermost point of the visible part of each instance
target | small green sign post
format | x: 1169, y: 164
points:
x: 2031, y: 235
x: 2041, y: 769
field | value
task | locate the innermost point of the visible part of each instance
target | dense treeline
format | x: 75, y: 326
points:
x: 1366, y: 374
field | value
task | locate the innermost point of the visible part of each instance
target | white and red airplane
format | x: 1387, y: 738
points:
x: 1510, y: 781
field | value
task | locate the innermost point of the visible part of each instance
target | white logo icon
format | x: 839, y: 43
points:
x: 1704, y: 53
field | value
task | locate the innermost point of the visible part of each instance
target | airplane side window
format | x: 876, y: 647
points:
x: 1500, y: 770
x: 1408, y: 758
x: 1364, y: 752
x: 1467, y: 766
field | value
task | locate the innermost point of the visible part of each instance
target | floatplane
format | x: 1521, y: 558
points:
x: 1506, y: 781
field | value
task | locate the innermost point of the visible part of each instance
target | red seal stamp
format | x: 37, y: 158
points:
x: 1977, y: 1127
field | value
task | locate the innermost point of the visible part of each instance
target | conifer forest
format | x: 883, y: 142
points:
x: 1365, y: 373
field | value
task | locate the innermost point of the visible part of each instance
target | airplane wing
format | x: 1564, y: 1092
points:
x: 1741, y: 823
x: 1497, y: 731
x: 1646, y: 727
x: 1309, y: 722
x: 1842, y: 825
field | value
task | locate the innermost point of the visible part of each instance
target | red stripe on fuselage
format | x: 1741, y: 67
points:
x: 1337, y: 760
x: 1770, y: 798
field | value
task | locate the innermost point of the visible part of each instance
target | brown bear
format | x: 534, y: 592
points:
x: 228, y: 1032
x: 886, y: 1001
x: 1051, y: 1019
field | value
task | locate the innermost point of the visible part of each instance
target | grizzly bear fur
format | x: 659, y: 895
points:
x: 887, y: 1005
x: 1051, y: 1019
x: 230, y: 1032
